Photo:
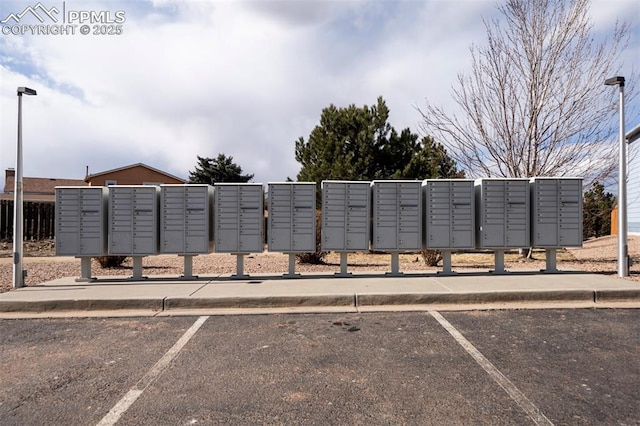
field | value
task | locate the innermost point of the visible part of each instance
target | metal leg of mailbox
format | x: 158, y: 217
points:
x: 395, y: 266
x: 85, y: 270
x: 240, y: 268
x: 343, y: 266
x: 137, y: 268
x: 292, y: 267
x: 499, y: 262
x: 188, y: 268
x: 446, y: 263
x: 551, y: 261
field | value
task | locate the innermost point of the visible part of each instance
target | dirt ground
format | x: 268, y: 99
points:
x: 597, y: 255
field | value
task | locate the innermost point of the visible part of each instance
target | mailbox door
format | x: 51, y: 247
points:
x: 67, y: 221
x: 304, y: 219
x: 570, y: 212
x: 121, y: 220
x: 493, y: 214
x: 280, y: 217
x: 251, y: 206
x: 172, y: 219
x: 545, y: 219
x: 334, y: 216
x: 517, y: 218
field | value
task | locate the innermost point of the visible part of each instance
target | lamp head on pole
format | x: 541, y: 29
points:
x: 614, y: 81
x: 26, y: 91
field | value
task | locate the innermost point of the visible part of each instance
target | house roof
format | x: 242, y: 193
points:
x: 40, y: 186
x: 131, y: 166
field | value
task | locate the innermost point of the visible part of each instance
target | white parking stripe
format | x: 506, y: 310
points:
x: 532, y: 411
x: 123, y: 405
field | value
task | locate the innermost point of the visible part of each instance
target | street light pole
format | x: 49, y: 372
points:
x: 18, y: 273
x: 623, y: 251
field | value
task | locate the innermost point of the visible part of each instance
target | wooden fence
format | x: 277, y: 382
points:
x: 39, y: 220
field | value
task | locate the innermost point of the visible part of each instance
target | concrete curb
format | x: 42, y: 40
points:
x: 258, y: 302
x: 617, y: 295
x: 475, y: 298
x: 13, y: 306
x: 355, y: 301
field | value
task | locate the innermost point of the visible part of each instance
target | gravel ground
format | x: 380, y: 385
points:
x: 597, y: 255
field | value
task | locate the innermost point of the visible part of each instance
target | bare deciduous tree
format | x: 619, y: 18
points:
x: 534, y: 103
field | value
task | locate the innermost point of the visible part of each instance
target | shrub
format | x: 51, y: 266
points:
x: 431, y: 257
x: 317, y: 257
x: 111, y: 261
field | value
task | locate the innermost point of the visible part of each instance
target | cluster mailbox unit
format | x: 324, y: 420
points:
x: 392, y: 216
x: 397, y: 219
x: 81, y: 217
x: 292, y: 219
x: 502, y: 216
x: 346, y: 208
x: 449, y: 216
x: 238, y: 220
x: 557, y: 215
x: 185, y: 225
x: 133, y: 223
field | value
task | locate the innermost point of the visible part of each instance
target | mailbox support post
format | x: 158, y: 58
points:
x: 395, y: 265
x: 499, y: 262
x: 85, y: 270
x: 446, y: 263
x: 343, y: 266
x: 550, y: 254
x: 240, y: 275
x: 292, y: 267
x: 188, y: 267
x: 137, y: 268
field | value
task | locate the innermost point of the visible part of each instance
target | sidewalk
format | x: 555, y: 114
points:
x: 212, y: 295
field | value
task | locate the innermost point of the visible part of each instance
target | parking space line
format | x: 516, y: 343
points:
x: 529, y: 407
x: 130, y: 397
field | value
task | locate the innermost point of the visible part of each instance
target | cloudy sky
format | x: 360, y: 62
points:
x: 244, y: 78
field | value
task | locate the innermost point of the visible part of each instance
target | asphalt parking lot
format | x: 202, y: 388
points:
x: 552, y: 366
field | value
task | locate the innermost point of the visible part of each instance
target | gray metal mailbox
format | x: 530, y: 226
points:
x: 346, y: 208
x: 238, y: 217
x: 449, y: 213
x: 185, y: 219
x: 557, y: 212
x: 133, y: 220
x: 502, y: 207
x: 81, y: 214
x: 397, y: 219
x: 292, y: 217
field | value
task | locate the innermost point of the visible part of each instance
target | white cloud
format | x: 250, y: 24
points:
x: 243, y: 78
